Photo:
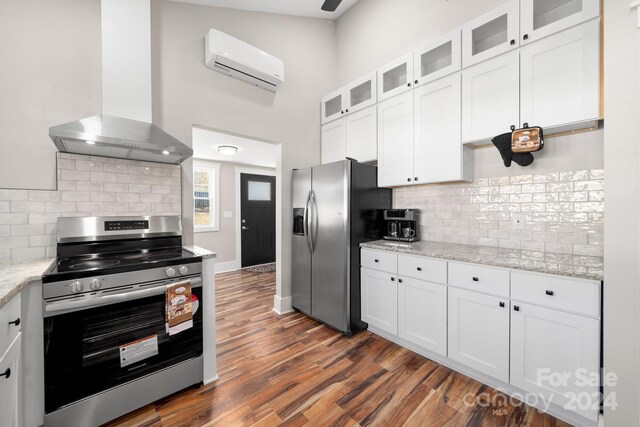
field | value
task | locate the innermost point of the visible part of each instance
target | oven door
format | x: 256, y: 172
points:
x: 83, y: 341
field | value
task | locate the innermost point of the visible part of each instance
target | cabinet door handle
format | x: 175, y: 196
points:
x: 15, y: 322
x: 376, y: 260
x: 415, y: 178
x: 408, y: 179
x: 393, y: 279
x: 6, y: 373
x: 550, y: 293
x: 342, y: 112
x: 525, y: 37
x: 409, y: 84
x: 513, y: 41
x: 501, y: 304
x: 475, y: 279
x: 419, y: 268
x: 415, y: 82
x: 516, y: 308
x: 399, y: 280
x: 346, y: 111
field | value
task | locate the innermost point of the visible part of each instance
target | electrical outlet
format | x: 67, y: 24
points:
x: 518, y: 221
x: 227, y: 214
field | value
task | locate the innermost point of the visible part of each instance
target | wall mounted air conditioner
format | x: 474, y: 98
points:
x: 238, y: 59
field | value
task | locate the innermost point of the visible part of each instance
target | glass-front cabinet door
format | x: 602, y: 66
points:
x: 395, y: 78
x: 541, y: 18
x: 361, y: 93
x: 333, y: 106
x: 492, y: 34
x: 437, y: 58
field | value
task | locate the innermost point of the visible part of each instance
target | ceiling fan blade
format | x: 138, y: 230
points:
x: 331, y: 5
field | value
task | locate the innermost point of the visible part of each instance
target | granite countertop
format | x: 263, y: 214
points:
x: 583, y: 267
x: 16, y: 275
x: 198, y: 251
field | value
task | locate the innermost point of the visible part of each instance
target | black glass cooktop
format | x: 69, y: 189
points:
x: 111, y: 263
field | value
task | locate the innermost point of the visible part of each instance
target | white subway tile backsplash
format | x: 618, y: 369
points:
x: 87, y: 186
x: 562, y: 211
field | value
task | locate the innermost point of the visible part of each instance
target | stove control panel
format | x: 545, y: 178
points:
x: 95, y: 284
x: 183, y: 269
x: 170, y: 272
x: 126, y: 225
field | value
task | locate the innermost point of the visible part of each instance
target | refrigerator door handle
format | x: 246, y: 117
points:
x: 305, y: 222
x: 314, y: 217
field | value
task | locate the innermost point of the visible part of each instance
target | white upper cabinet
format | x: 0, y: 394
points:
x: 560, y: 77
x: 358, y: 94
x: 491, y: 98
x: 437, y: 58
x: 540, y: 18
x: 395, y: 77
x: 361, y: 133
x: 491, y: 34
x: 361, y: 93
x: 333, y: 106
x: 395, y: 141
x: 558, y: 343
x: 438, y: 150
x: 334, y: 141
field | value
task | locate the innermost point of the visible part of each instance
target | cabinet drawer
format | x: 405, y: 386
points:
x: 422, y: 268
x: 561, y: 293
x: 379, y: 260
x: 10, y: 312
x: 479, y: 278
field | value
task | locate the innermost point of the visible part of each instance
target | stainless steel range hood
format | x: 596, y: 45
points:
x: 111, y: 136
x: 124, y: 129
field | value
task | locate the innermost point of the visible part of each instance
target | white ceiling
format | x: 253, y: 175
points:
x: 250, y: 152
x: 310, y: 8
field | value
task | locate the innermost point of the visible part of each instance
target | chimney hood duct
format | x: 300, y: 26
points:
x: 124, y: 130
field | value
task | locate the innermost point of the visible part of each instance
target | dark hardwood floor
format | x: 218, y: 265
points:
x: 290, y: 370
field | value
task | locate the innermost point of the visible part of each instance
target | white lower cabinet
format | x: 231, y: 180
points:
x: 547, y: 345
x: 379, y: 299
x: 10, y: 385
x: 479, y: 332
x: 422, y: 314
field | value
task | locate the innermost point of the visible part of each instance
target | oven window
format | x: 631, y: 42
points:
x: 82, y: 349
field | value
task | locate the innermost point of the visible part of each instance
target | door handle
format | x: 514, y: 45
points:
x: 313, y: 227
x: 245, y: 228
x: 305, y: 222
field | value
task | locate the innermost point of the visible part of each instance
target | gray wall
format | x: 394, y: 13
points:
x: 186, y: 93
x: 50, y: 74
x: 622, y: 219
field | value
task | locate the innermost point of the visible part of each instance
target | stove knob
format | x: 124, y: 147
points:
x: 76, y: 287
x: 170, y: 272
x: 183, y: 269
x: 95, y: 284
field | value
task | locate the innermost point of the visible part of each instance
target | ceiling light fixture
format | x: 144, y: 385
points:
x: 227, y: 150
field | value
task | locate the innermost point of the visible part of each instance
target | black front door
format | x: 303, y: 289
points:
x: 258, y: 219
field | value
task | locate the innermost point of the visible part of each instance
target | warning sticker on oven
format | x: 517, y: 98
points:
x: 138, y: 350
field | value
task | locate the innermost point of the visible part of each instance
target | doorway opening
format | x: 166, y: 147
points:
x: 236, y: 199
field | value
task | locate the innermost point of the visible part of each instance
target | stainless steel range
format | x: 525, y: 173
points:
x: 106, y: 343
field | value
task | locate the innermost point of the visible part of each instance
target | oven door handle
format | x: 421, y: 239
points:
x: 88, y: 302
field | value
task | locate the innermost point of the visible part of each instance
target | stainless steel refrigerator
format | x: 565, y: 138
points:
x: 336, y: 206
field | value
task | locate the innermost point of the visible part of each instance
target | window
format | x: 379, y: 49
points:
x: 206, y: 185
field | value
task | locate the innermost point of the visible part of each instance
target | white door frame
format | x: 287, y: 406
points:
x: 239, y: 171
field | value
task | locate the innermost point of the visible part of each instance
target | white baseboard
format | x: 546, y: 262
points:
x: 222, y: 267
x: 282, y: 305
x: 210, y: 380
